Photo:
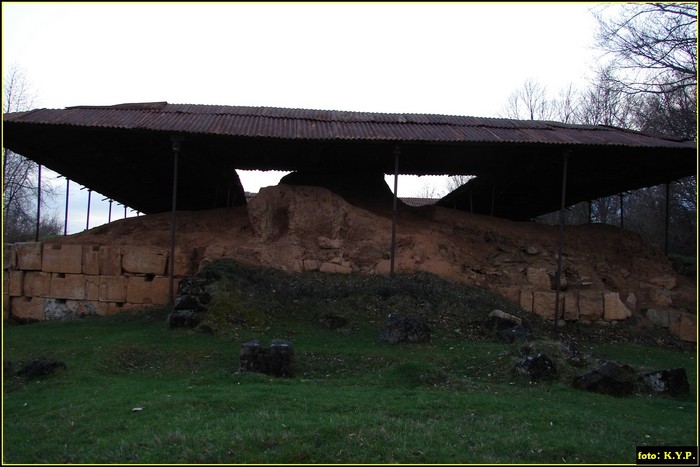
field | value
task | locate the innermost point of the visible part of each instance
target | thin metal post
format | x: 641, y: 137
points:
x: 65, y: 221
x: 125, y: 211
x: 171, y: 261
x: 667, y: 216
x: 397, y: 152
x: 590, y: 212
x: 87, y: 224
x: 38, y: 204
x: 561, y: 237
x: 622, y: 211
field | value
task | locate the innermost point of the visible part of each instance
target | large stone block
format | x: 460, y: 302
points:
x: 91, y: 260
x: 28, y: 256
x: 67, y: 286
x: 110, y: 261
x: 657, y: 317
x: 571, y: 312
x: 15, y: 288
x: 183, y: 266
x: 526, y: 299
x: 113, y: 289
x: 539, y: 277
x: 139, y: 290
x: 9, y: 259
x: 544, y: 304
x: 144, y: 260
x: 683, y: 325
x: 510, y: 293
x: 92, y: 288
x: 590, y: 305
x: 37, y: 284
x: 660, y: 296
x: 161, y: 289
x: 67, y: 259
x: 613, y: 308
x: 666, y: 281
x: 28, y: 308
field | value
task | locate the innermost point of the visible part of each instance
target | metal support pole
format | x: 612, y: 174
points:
x: 622, y: 211
x: 667, y: 215
x: 171, y: 261
x: 397, y: 152
x: 109, y: 216
x: 125, y: 211
x: 38, y: 204
x: 590, y: 212
x: 561, y: 237
x: 87, y: 224
x: 65, y: 221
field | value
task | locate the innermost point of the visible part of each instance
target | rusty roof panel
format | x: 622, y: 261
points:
x: 271, y: 122
x: 521, y: 156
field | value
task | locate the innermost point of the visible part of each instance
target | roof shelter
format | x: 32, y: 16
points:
x: 126, y: 152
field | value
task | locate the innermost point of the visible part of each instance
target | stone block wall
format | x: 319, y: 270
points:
x: 54, y: 280
x: 583, y: 302
x: 45, y: 281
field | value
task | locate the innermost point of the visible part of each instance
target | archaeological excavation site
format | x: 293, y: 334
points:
x: 335, y: 214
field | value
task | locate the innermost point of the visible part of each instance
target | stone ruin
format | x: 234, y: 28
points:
x: 404, y: 328
x: 609, y: 275
x: 192, y: 300
x: 276, y: 360
x: 607, y: 378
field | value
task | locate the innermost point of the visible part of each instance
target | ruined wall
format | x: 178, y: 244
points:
x: 44, y: 281
x: 609, y: 275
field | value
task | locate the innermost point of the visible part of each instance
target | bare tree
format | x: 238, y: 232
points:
x: 604, y: 103
x: 651, y: 82
x: 565, y: 107
x: 653, y: 46
x: 20, y: 175
x: 672, y: 114
x: 529, y: 102
x: 456, y: 181
x: 430, y: 191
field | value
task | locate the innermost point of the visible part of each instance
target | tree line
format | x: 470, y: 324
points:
x: 648, y: 82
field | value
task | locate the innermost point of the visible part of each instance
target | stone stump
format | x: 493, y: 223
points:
x: 276, y: 360
x: 403, y: 328
x: 537, y: 367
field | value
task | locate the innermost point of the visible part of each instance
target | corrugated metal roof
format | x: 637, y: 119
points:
x: 291, y: 124
x: 125, y: 152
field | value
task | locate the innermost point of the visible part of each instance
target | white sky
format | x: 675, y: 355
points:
x: 440, y: 58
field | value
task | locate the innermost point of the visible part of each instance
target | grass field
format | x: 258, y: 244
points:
x: 353, y: 399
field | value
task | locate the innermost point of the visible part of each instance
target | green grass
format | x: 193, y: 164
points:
x: 456, y: 399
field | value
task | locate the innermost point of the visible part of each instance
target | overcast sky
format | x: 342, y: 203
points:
x: 438, y: 58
